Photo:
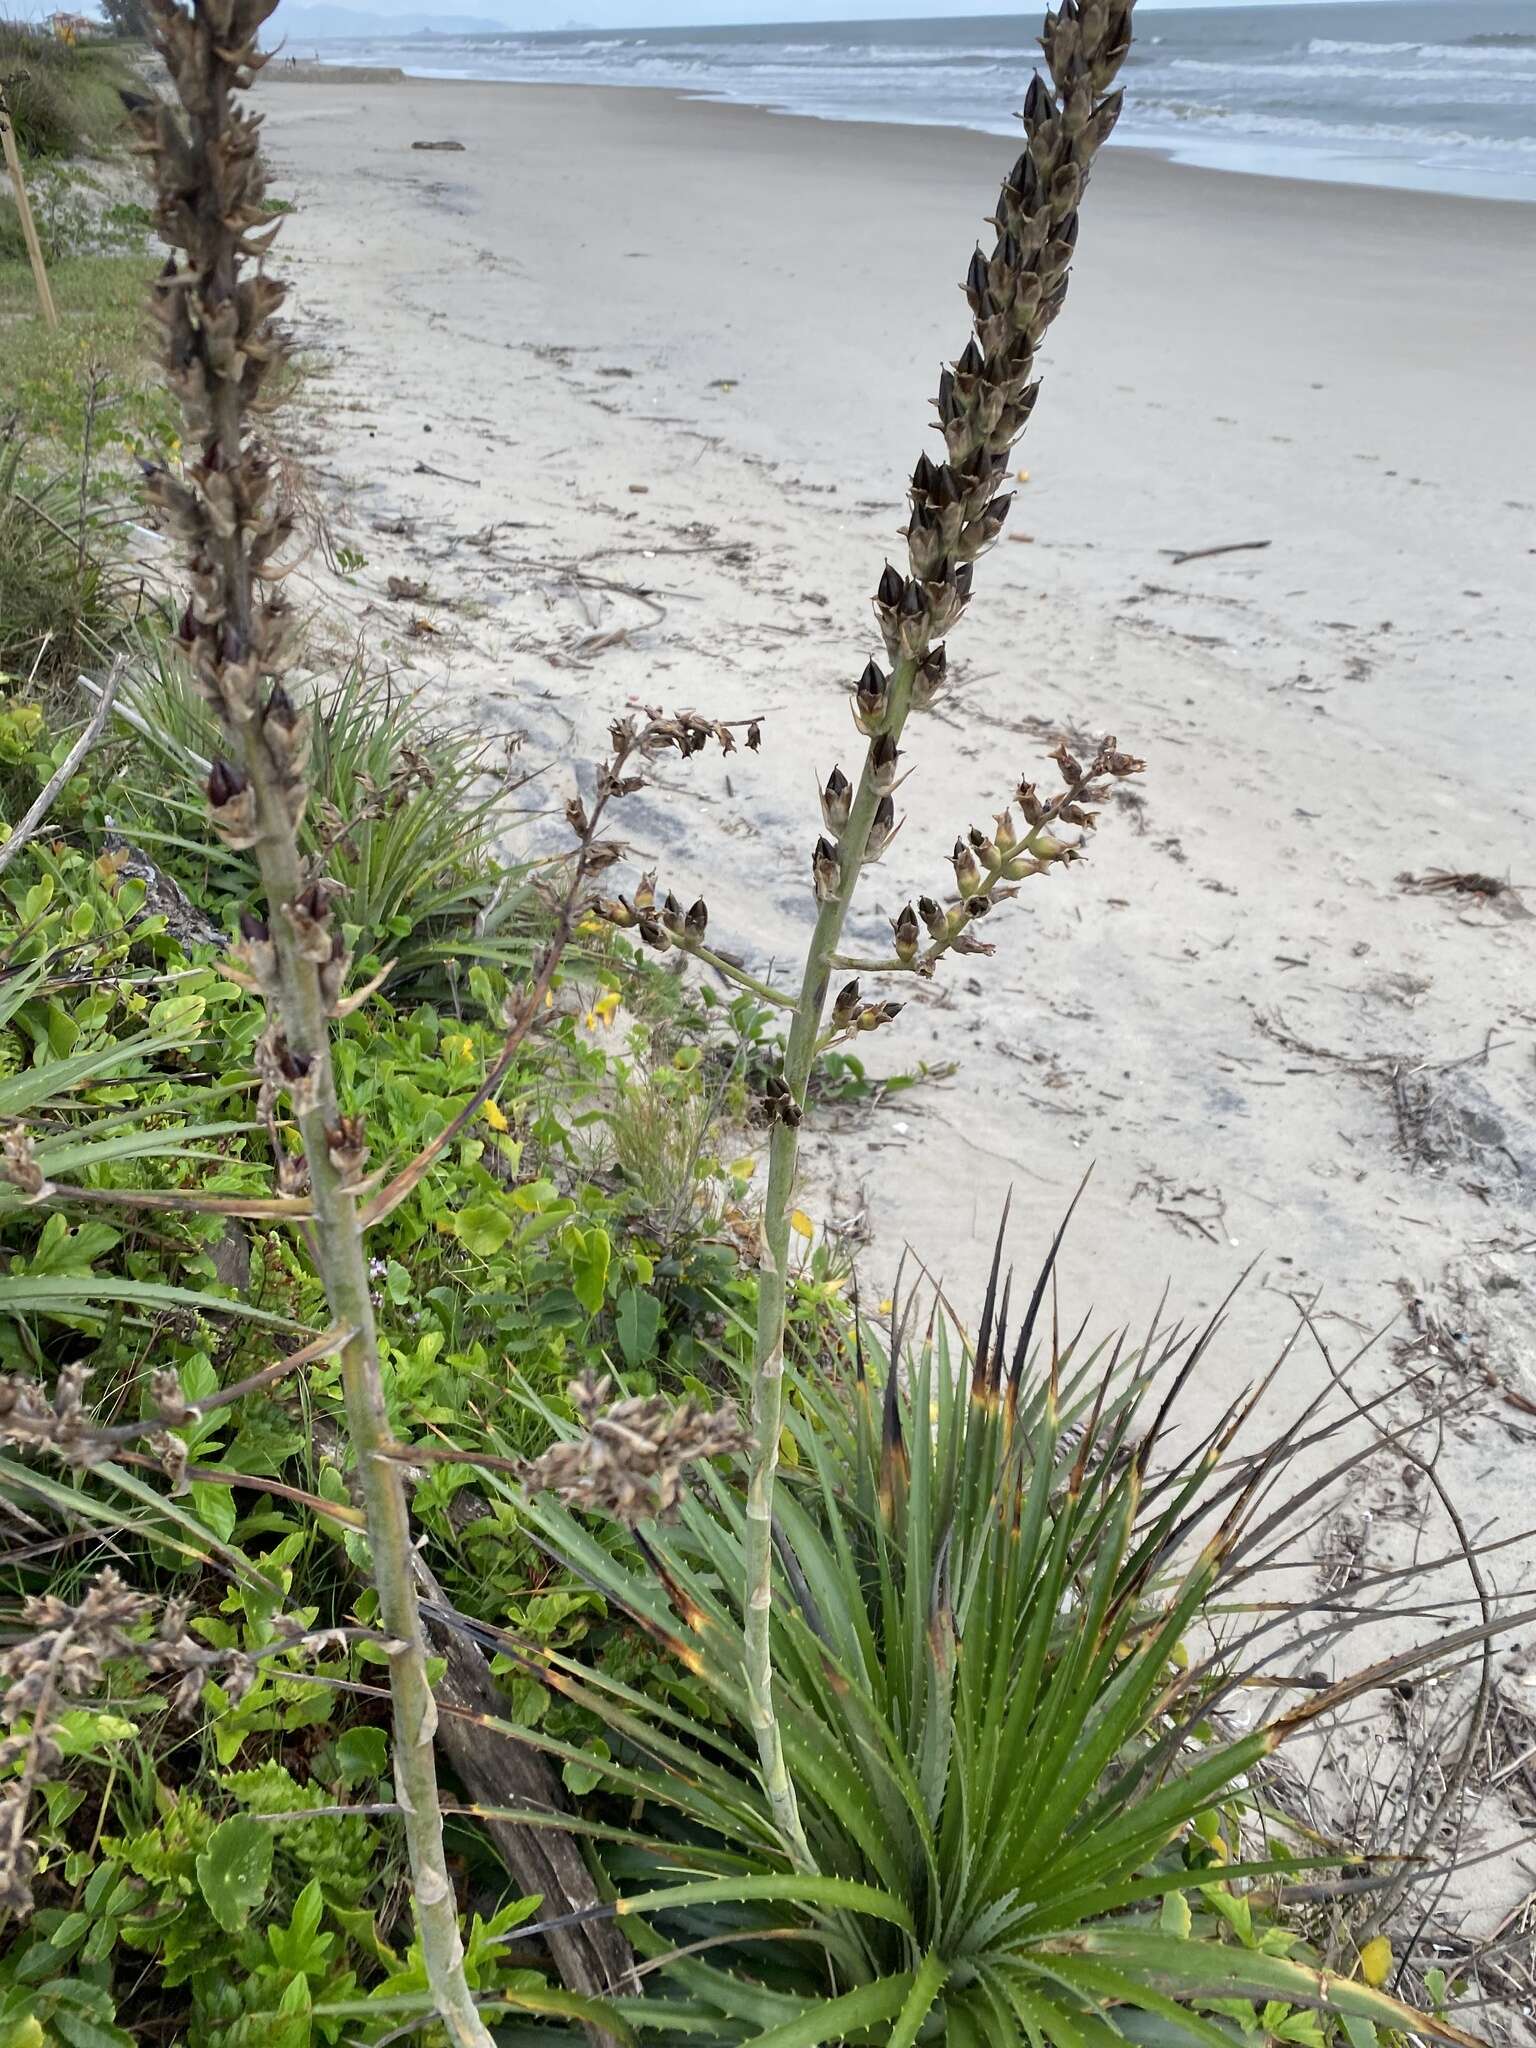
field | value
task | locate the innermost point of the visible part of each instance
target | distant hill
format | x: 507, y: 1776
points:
x: 320, y: 20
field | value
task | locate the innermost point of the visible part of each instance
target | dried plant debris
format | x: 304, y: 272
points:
x: 1446, y: 882
x: 61, y: 1658
x: 632, y: 1461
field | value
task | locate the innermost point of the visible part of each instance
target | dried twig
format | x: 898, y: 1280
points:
x: 1179, y: 556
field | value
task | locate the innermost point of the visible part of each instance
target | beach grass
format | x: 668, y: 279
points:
x: 63, y: 97
x: 101, y: 332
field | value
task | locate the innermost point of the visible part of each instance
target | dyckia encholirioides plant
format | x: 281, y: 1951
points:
x: 958, y: 507
x: 1021, y: 1769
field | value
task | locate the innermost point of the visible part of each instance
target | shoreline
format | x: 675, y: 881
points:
x: 312, y: 71
x: 653, y: 450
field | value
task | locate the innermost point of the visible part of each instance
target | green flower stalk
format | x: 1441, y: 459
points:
x: 958, y: 508
x: 214, y: 307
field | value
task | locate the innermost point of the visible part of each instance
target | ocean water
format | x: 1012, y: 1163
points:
x: 1434, y: 95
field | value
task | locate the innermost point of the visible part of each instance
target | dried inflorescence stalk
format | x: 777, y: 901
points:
x: 58, y: 1660
x: 989, y: 867
x: 62, y: 1658
x: 60, y: 1425
x: 215, y: 305
x: 958, y: 509
x: 632, y: 1462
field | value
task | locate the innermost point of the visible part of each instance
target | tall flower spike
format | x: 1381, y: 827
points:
x: 214, y: 308
x: 958, y: 506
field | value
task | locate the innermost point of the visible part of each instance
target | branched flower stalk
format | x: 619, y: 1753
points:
x: 214, y: 307
x: 62, y: 1657
x: 958, y: 508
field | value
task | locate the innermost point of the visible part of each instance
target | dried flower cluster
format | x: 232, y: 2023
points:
x: 215, y: 308
x: 60, y: 1425
x: 665, y: 924
x: 633, y: 1460
x: 988, y: 866
x: 62, y: 1658
x: 18, y: 1165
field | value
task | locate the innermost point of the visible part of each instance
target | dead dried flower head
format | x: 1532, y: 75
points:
x: 633, y: 1459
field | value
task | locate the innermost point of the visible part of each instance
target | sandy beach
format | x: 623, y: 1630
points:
x: 632, y: 385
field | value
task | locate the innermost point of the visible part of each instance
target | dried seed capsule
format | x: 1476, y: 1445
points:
x: 986, y: 529
x: 1038, y: 106
x: 696, y: 923
x: 849, y: 996
x: 614, y: 910
x: 836, y: 801
x: 883, y: 757
x: 930, y: 677
x: 231, y: 805
x: 887, y: 603
x: 346, y: 1146
x: 976, y: 281
x: 645, y: 891
x: 873, y: 1015
x: 672, y: 914
x: 1006, y: 835
x: 967, y: 873
x: 826, y: 870
x: 905, y: 929
x: 933, y: 917
x: 1110, y: 761
x: 1028, y: 799
x: 1071, y: 769
x: 871, y: 698
x: 882, y: 828
x: 913, y: 626
x: 983, y: 849
x: 334, y: 972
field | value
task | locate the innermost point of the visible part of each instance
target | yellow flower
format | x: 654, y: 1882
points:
x: 458, y: 1045
x: 495, y: 1117
x: 802, y: 1224
x: 603, y: 1010
x: 1376, y: 1961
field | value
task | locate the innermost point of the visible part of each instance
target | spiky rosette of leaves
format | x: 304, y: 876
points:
x: 1026, y: 1817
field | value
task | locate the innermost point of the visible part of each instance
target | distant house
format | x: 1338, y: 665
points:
x: 75, y: 28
